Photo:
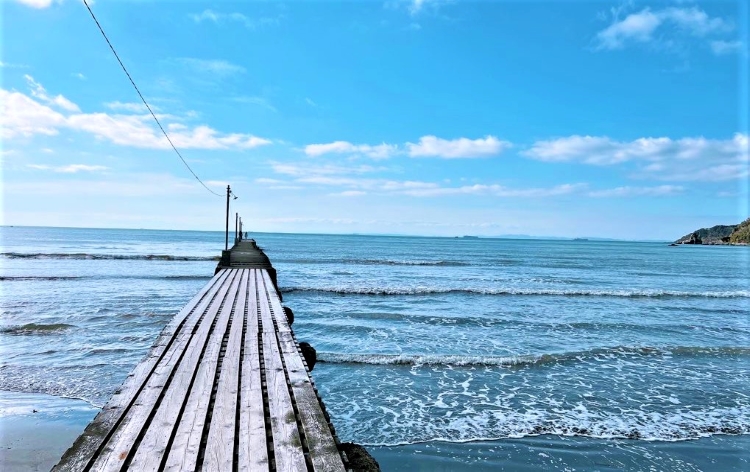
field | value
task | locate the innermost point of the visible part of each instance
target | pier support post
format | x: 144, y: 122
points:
x: 226, y: 240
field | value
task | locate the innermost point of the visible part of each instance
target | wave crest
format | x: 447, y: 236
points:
x: 530, y: 360
x: 87, y: 256
x: 627, y: 293
x: 36, y: 328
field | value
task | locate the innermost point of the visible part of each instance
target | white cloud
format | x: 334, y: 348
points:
x: 36, y: 3
x: 720, y: 47
x: 349, y: 193
x: 354, y: 185
x: 497, y: 190
x: 79, y: 75
x: 217, y: 18
x: 380, y: 151
x: 21, y: 115
x: 432, y: 146
x: 303, y: 170
x: 428, y: 146
x: 217, y: 67
x: 137, y: 131
x: 662, y: 190
x: 260, y: 101
x: 113, y: 185
x: 663, y: 158
x: 39, y: 92
x: 12, y: 66
x: 128, y: 106
x: 640, y: 27
x: 69, y: 169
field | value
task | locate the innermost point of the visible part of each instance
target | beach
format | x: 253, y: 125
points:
x: 434, y: 353
x: 34, y: 441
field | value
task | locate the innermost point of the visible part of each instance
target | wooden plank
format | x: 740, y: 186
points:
x: 219, y: 453
x: 120, y: 445
x: 84, y: 448
x: 183, y: 454
x: 281, y: 321
x: 322, y: 447
x: 287, y: 446
x: 252, y: 453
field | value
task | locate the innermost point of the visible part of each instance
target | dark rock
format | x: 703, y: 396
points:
x: 310, y: 355
x: 289, y: 315
x: 712, y: 235
x: 359, y: 459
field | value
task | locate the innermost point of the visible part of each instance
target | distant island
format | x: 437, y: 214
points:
x: 719, y: 235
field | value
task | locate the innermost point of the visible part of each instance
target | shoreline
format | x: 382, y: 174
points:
x: 36, y: 429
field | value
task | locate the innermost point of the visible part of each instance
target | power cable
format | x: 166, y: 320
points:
x: 144, y: 100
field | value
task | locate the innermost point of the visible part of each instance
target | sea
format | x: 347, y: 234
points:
x: 434, y: 353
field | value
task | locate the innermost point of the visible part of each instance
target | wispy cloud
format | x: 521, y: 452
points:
x: 217, y: 18
x: 428, y: 146
x: 132, y: 107
x: 660, y: 191
x: 260, y: 101
x: 24, y: 116
x: 664, y: 158
x: 36, y: 3
x: 380, y: 151
x: 432, y: 146
x: 721, y: 47
x: 8, y: 65
x: 350, y: 183
x: 69, y: 169
x: 328, y: 169
x: 497, y: 191
x: 671, y: 22
x: 217, y: 67
x: 39, y: 92
x: 78, y: 75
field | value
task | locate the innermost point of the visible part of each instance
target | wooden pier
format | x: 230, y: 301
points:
x: 224, y: 388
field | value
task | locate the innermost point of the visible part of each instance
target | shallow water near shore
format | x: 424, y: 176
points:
x: 434, y: 352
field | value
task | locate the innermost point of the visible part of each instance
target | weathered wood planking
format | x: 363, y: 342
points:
x: 89, y: 444
x: 322, y: 447
x: 198, y: 401
x: 287, y: 444
x: 253, y: 448
x: 219, y: 453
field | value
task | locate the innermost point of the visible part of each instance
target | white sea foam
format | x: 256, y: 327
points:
x: 623, y: 293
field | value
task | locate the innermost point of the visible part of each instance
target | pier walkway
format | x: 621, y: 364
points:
x: 224, y: 388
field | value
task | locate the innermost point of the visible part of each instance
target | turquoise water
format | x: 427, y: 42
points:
x: 445, y: 344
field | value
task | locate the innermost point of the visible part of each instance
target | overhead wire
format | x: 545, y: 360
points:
x: 144, y: 100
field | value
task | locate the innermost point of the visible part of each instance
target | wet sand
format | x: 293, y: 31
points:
x: 36, y: 429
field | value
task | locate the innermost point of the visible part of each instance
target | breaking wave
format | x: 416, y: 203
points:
x: 636, y: 293
x: 531, y: 360
x: 87, y: 256
x: 36, y: 328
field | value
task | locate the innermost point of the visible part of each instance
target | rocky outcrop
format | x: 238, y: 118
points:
x: 719, y: 234
x: 359, y: 459
x: 741, y: 234
x: 310, y: 355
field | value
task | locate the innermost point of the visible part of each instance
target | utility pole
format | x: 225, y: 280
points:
x: 236, y: 219
x: 226, y: 242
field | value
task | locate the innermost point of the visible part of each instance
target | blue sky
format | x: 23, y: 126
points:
x: 431, y: 117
